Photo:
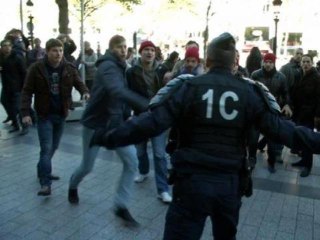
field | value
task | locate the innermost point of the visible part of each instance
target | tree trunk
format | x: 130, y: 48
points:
x: 63, y: 16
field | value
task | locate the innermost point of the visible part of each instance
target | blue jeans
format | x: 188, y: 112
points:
x: 128, y: 157
x: 159, y: 159
x: 50, y: 130
x: 197, y: 197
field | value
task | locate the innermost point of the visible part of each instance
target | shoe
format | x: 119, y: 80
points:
x: 73, y: 196
x: 14, y: 129
x: 125, y: 215
x: 6, y: 120
x: 24, y: 131
x: 271, y: 169
x: 45, y: 191
x: 305, y: 172
x: 54, y: 177
x: 165, y: 197
x: 298, y: 164
x: 141, y: 178
x: 279, y: 159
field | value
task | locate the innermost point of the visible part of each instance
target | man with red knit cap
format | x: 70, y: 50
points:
x: 191, y: 63
x: 144, y: 79
x: 275, y: 81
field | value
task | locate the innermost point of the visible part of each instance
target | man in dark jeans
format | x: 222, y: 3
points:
x: 50, y: 81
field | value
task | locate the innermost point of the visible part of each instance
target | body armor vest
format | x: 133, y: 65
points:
x: 214, y: 123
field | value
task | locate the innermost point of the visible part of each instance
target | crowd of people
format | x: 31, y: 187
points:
x: 208, y: 114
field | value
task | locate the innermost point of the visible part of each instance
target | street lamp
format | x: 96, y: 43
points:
x: 276, y: 4
x: 30, y: 25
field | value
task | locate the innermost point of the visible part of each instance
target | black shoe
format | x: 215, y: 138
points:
x: 6, y: 120
x: 298, y: 164
x: 44, y: 191
x: 305, y: 172
x: 125, y: 215
x: 54, y: 177
x: 24, y: 131
x: 14, y: 129
x: 73, y: 196
x: 271, y: 169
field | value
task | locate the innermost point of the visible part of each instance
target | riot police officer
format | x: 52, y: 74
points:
x: 212, y: 114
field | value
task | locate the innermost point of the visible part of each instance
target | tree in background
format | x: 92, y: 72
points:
x: 89, y: 7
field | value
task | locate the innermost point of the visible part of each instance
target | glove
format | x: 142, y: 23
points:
x: 317, y: 123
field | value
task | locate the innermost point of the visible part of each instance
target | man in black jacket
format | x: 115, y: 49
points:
x: 13, y: 72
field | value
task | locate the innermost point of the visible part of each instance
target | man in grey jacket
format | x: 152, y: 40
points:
x: 109, y: 107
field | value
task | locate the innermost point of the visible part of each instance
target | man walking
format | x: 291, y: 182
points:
x: 50, y: 81
x: 109, y: 107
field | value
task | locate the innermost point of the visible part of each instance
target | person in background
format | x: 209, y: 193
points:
x: 168, y: 65
x: 131, y: 57
x: 109, y: 106
x: 306, y: 107
x: 239, y: 69
x: 13, y: 72
x: 143, y: 78
x: 254, y: 60
x: 275, y: 81
x: 68, y: 47
x: 90, y: 58
x: 191, y: 63
x: 36, y: 53
x: 50, y: 81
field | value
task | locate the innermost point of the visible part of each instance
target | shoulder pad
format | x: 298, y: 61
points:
x: 264, y: 92
x: 170, y: 88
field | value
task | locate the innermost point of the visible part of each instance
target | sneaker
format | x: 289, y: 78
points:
x: 165, y: 197
x: 44, y: 191
x: 73, y: 196
x: 140, y: 178
x: 305, y: 172
x: 125, y: 215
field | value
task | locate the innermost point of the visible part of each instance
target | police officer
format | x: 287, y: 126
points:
x: 212, y: 114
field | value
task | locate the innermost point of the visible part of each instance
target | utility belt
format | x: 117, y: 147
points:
x: 245, y: 176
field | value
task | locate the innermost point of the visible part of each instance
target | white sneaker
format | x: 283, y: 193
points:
x: 165, y: 197
x: 140, y: 178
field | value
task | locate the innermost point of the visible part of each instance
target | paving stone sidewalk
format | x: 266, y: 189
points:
x: 283, y: 206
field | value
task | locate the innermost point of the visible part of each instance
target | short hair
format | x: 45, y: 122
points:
x: 192, y: 42
x: 308, y: 55
x: 116, y: 39
x: 53, y: 42
x: 5, y: 41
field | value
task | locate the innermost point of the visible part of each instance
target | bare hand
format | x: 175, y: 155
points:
x: 27, y: 120
x: 86, y: 96
x: 286, y: 110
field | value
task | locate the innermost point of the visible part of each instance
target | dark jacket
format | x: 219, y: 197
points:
x: 13, y: 72
x: 139, y: 84
x: 306, y: 97
x: 276, y: 82
x: 110, y: 97
x: 37, y: 84
x: 292, y: 70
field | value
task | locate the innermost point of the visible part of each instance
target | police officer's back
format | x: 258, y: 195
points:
x: 212, y: 113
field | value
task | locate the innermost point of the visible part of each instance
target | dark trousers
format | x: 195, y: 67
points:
x: 307, y: 155
x: 11, y: 103
x: 200, y: 196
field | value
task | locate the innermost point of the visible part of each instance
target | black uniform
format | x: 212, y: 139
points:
x: 212, y: 113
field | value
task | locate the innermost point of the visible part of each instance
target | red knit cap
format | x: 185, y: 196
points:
x: 146, y: 44
x: 192, y: 52
x: 269, y: 56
